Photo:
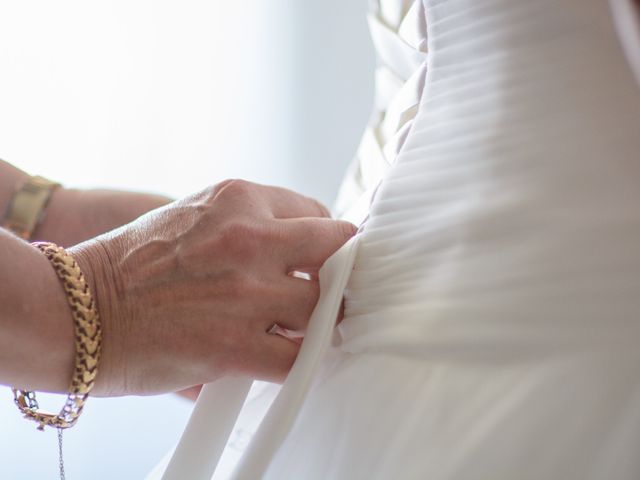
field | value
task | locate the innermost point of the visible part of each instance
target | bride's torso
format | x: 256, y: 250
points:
x: 491, y: 318
x: 515, y: 180
x: 492, y: 315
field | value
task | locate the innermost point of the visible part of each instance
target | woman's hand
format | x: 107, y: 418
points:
x: 187, y: 292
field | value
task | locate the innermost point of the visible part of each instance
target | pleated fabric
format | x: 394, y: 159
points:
x: 493, y: 316
x: 493, y: 311
x: 398, y: 32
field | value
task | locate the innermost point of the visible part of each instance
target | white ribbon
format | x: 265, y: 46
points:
x: 200, y: 448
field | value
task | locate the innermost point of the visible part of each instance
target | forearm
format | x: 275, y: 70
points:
x: 36, y: 330
x: 36, y: 339
x: 74, y: 216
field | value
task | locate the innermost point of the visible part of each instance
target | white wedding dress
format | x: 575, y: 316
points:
x: 492, y: 322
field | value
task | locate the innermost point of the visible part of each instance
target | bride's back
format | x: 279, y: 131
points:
x: 492, y: 316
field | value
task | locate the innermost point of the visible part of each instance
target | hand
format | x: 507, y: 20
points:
x: 187, y: 292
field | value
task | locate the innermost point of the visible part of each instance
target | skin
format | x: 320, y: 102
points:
x: 73, y: 216
x: 186, y: 292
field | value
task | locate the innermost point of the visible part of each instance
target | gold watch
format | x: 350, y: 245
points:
x: 26, y: 210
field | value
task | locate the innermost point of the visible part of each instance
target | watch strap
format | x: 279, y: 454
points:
x: 26, y: 209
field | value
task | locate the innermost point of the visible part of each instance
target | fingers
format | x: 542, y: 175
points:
x: 288, y: 302
x: 275, y: 201
x: 275, y: 357
x: 284, y: 203
x: 262, y: 235
x: 278, y: 350
x: 307, y: 242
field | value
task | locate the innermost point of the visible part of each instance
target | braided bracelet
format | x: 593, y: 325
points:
x: 88, y: 338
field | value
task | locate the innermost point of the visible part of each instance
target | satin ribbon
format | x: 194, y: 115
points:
x: 399, y: 34
x: 219, y: 404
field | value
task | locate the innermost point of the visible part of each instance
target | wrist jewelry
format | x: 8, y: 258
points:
x: 88, y: 336
x: 27, y: 207
x: 87, y: 341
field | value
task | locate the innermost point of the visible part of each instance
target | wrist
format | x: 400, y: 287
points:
x: 87, y: 338
x: 96, y: 260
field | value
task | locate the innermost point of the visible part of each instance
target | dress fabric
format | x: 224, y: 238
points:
x: 493, y: 311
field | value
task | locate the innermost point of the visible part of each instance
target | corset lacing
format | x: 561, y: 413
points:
x: 398, y: 30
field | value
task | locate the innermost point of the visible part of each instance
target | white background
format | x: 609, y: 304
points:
x: 170, y: 96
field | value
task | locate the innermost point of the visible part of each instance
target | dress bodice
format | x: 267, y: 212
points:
x: 491, y: 319
x: 398, y: 31
x: 521, y: 155
x: 491, y: 316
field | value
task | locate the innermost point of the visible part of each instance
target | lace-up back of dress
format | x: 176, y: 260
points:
x: 398, y: 31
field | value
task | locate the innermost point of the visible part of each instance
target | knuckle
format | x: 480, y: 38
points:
x: 322, y: 210
x: 224, y: 183
x: 232, y: 187
x: 238, y: 187
x: 211, y: 192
